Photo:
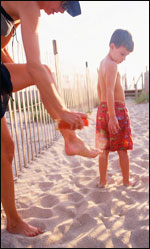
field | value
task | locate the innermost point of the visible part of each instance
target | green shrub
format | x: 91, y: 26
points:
x: 142, y: 98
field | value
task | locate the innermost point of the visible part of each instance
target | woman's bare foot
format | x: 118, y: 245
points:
x: 21, y: 227
x: 75, y: 146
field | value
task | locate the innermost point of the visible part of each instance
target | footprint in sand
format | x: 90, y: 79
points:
x: 136, y: 151
x: 49, y: 201
x: 136, y: 238
x: 137, y: 169
x: 86, y: 222
x: 145, y: 156
x: 90, y: 172
x: 75, y: 197
x: 82, y: 181
x: 44, y: 186
x: 66, y: 190
x: 100, y: 197
x: 142, y: 196
x: 65, y: 212
x: 89, y: 164
x: 55, y: 177
x: 84, y: 191
x: 37, y: 212
x: 77, y: 169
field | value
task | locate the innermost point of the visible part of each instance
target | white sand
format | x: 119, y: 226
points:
x: 59, y: 194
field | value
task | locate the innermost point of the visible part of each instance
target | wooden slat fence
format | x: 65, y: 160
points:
x: 32, y: 128
x: 136, y: 86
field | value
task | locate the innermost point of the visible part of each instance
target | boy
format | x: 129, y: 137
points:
x: 113, y: 132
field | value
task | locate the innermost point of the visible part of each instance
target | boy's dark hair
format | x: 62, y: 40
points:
x: 123, y: 38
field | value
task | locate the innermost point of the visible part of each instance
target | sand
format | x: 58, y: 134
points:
x: 59, y: 194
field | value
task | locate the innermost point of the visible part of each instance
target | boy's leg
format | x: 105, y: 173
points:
x: 14, y: 222
x: 124, y: 165
x: 103, y: 163
x: 73, y: 144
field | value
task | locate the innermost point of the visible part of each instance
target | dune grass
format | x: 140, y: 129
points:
x: 142, y: 98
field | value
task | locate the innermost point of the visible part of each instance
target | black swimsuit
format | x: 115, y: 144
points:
x: 7, y: 25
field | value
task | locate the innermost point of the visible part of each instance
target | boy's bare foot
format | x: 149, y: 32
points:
x: 76, y: 146
x: 99, y: 185
x: 130, y: 184
x: 21, y: 227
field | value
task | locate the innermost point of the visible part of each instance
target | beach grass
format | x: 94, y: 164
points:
x: 142, y: 98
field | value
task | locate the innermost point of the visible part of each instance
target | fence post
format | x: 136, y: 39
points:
x: 135, y: 86
x: 146, y: 81
x: 88, y: 87
x: 58, y: 81
x: 142, y: 81
x: 21, y: 129
x: 16, y: 131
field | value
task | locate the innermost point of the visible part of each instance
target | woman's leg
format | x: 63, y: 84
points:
x: 19, y: 76
x: 15, y: 224
x: 73, y: 144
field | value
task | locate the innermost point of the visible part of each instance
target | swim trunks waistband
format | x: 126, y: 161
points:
x: 116, y: 103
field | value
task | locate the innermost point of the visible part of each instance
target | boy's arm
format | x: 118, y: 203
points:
x: 111, y: 75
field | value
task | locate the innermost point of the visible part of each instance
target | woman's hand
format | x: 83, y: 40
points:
x: 74, y: 119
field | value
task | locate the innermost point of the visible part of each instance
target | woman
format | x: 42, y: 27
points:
x: 18, y: 76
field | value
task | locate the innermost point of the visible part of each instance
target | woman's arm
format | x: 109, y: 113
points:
x: 6, y: 39
x: 5, y: 56
x: 29, y: 14
x: 42, y: 77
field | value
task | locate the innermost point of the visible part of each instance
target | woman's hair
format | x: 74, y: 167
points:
x: 123, y: 38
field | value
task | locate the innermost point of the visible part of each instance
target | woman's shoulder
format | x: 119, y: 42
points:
x: 21, y: 9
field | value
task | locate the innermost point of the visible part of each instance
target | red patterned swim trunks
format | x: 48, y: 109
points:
x: 113, y: 142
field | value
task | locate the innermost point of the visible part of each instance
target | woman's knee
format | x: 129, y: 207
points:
x: 20, y: 77
x: 8, y: 151
x: 49, y: 71
x: 7, y: 144
x: 11, y: 149
x: 47, y: 68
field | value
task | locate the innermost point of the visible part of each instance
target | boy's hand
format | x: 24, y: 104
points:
x: 113, y: 125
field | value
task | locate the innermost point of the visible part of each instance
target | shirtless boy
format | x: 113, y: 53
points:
x: 113, y: 132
